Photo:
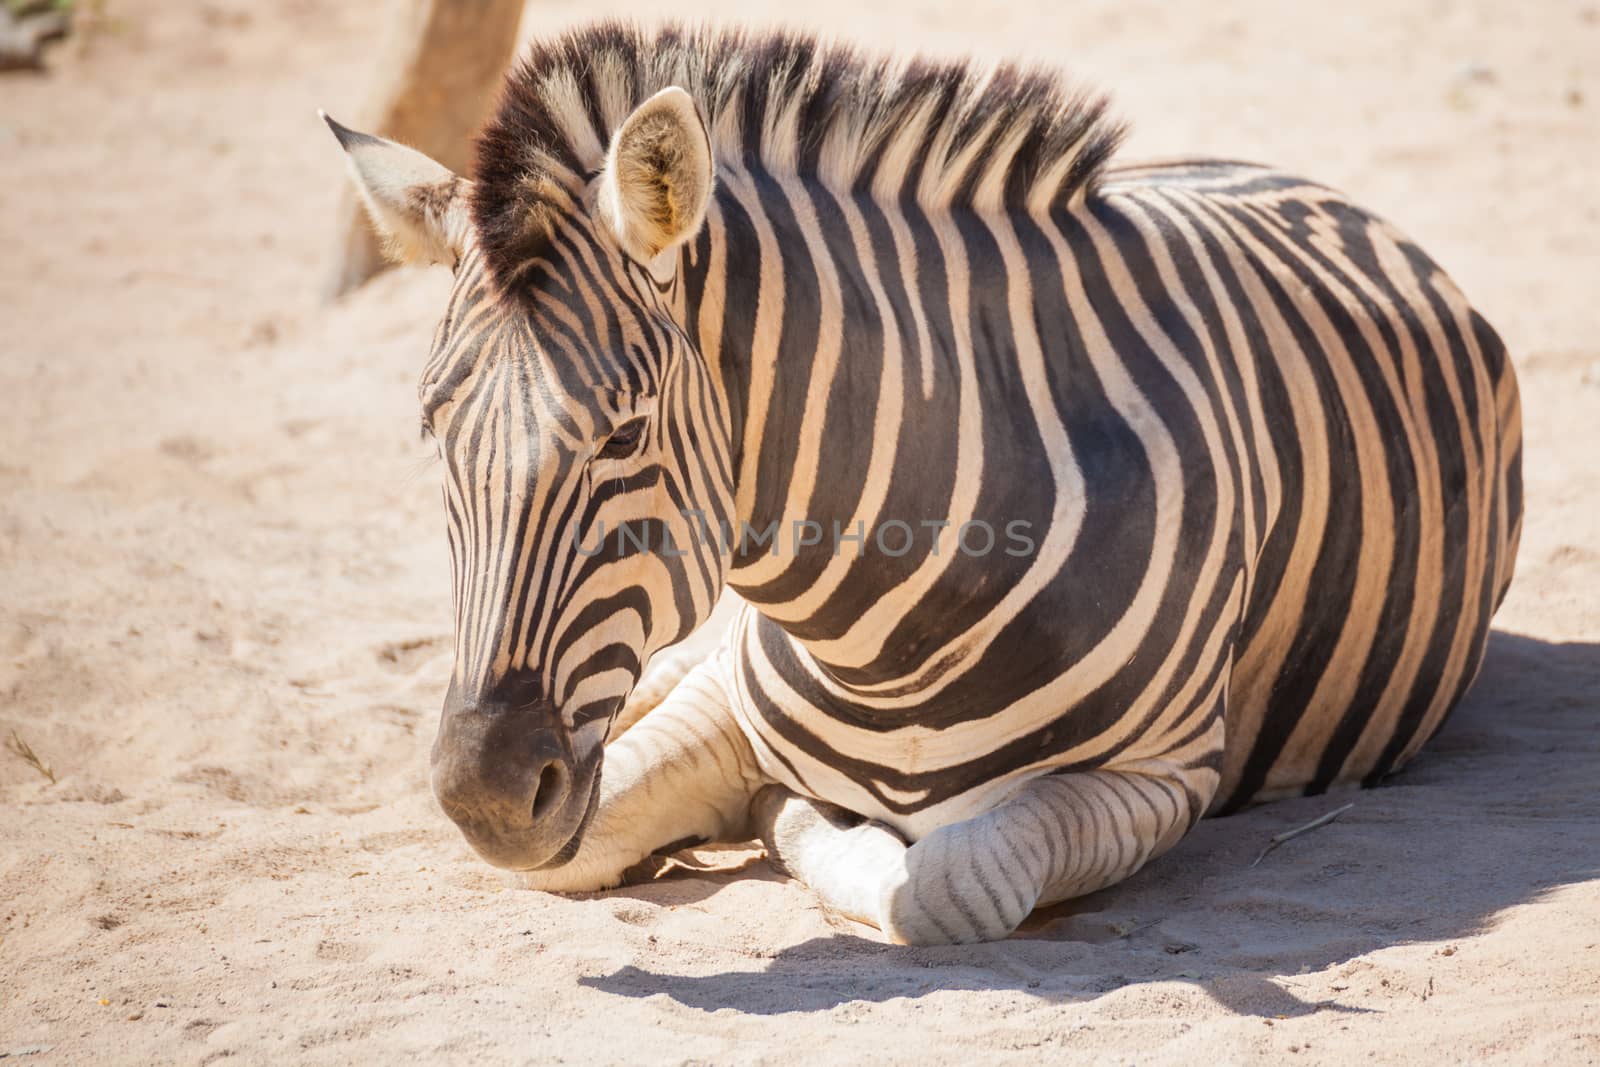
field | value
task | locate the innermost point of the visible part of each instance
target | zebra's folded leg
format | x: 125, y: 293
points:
x: 1057, y: 837
x: 671, y: 665
x: 660, y: 679
x: 684, y: 775
x: 839, y: 856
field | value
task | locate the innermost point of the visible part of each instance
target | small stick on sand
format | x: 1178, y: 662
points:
x: 1288, y: 835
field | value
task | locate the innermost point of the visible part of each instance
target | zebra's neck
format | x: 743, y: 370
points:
x: 844, y: 330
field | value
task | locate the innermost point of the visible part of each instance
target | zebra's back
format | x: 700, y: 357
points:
x: 1386, y: 489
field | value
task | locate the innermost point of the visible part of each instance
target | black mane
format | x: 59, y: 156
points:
x: 941, y: 133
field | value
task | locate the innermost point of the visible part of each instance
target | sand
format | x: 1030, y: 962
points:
x: 224, y: 605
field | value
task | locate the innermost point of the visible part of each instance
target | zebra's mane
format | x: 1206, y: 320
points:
x: 939, y: 133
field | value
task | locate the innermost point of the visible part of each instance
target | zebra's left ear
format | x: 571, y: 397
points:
x: 657, y: 181
x: 418, y: 207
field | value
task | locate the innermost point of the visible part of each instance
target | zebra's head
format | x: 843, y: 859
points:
x: 584, y: 455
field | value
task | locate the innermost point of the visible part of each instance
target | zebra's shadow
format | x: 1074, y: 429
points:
x: 1500, y: 810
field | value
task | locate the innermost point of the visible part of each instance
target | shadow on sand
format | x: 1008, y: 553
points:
x: 1501, y: 808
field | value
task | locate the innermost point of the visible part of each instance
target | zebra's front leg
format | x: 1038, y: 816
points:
x: 684, y: 775
x: 1057, y: 837
x: 673, y: 665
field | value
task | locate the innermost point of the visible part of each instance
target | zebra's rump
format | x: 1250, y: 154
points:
x: 1394, y: 430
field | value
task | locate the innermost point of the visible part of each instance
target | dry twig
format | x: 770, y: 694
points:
x: 1288, y: 835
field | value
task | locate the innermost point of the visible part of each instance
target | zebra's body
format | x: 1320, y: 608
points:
x: 1155, y: 317
x: 1263, y: 454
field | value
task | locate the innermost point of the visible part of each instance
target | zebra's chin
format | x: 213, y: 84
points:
x: 570, y: 849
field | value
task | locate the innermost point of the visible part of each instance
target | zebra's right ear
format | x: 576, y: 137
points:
x: 418, y: 207
x: 658, y: 176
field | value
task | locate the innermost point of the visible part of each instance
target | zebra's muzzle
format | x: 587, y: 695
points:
x: 507, y: 776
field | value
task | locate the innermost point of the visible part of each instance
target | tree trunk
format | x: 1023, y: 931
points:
x: 438, y: 75
x: 24, y: 31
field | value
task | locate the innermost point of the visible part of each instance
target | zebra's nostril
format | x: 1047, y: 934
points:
x: 549, y: 789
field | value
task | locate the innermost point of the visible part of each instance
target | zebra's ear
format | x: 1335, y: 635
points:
x: 657, y: 181
x: 418, y: 207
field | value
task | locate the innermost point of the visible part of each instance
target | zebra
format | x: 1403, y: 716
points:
x: 760, y: 299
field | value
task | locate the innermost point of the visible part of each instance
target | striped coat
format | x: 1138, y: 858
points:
x: 1085, y: 499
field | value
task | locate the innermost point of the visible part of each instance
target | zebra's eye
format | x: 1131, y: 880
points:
x: 624, y: 440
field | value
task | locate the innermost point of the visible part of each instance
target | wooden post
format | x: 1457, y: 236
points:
x: 439, y: 73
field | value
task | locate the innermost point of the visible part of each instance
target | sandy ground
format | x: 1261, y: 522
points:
x: 224, y: 605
